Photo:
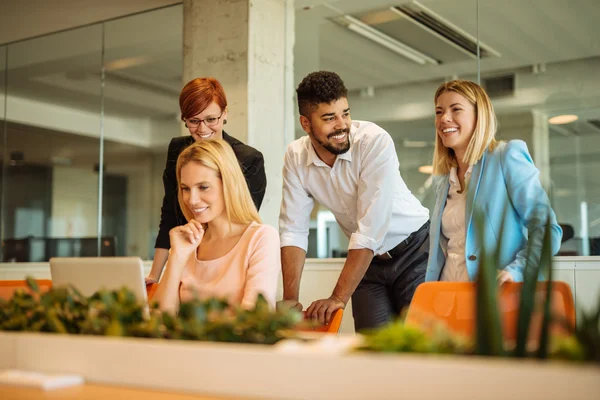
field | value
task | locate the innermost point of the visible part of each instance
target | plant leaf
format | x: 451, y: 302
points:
x: 528, y: 290
x: 489, y: 328
x: 32, y: 284
x: 546, y: 260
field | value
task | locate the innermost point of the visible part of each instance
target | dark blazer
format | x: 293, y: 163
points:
x: 253, y: 167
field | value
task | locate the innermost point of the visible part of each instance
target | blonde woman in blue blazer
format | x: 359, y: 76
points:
x: 475, y: 174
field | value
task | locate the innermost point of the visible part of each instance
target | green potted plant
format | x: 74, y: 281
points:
x: 117, y: 313
x: 582, y: 343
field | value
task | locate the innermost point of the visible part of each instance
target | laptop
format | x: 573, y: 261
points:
x: 91, y: 274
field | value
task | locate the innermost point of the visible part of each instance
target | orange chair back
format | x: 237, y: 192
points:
x: 453, y: 303
x: 8, y: 288
x: 332, y: 327
x: 151, y: 290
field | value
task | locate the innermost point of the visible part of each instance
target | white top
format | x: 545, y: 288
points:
x: 363, y: 190
x: 454, y: 230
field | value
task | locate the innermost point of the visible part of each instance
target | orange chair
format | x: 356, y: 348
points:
x: 151, y: 290
x: 8, y: 288
x: 332, y: 327
x: 453, y: 303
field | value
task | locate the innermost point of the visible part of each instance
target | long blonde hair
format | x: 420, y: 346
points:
x: 219, y: 156
x: 484, y: 136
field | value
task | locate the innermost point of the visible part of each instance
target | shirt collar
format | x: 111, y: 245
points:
x: 453, y: 177
x: 313, y: 158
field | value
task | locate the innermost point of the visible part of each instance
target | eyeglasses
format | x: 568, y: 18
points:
x: 195, y: 122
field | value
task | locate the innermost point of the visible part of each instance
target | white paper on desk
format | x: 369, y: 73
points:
x: 38, y: 380
x: 327, y: 344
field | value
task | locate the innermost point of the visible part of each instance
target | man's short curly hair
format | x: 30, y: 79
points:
x: 319, y: 87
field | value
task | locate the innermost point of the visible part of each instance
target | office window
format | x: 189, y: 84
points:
x: 539, y: 60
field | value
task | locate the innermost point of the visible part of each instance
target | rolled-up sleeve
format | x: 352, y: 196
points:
x: 296, y: 206
x: 379, y: 164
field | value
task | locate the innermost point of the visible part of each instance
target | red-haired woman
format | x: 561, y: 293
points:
x: 203, y: 106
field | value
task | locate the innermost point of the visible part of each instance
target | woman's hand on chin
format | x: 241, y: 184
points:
x: 185, y: 239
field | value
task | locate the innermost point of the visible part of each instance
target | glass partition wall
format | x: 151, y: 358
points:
x: 53, y: 104
x: 539, y: 61
x: 87, y: 114
x: 551, y: 53
x: 143, y: 72
x: 86, y: 118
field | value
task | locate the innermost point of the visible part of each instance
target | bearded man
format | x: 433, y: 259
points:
x: 351, y: 167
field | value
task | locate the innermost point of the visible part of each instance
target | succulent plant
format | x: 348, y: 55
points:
x: 399, y: 337
x: 588, y: 333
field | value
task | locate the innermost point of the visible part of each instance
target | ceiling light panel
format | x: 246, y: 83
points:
x: 425, y: 31
x: 368, y: 32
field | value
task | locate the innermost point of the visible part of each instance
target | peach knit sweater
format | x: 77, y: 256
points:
x: 250, y: 268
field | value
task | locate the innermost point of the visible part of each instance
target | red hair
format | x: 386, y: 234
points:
x: 198, y: 94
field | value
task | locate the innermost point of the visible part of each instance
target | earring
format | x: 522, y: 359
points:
x: 224, y: 121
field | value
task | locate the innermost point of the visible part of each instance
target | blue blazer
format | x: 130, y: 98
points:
x: 505, y: 188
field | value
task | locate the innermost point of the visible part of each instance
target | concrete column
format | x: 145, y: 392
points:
x: 247, y: 45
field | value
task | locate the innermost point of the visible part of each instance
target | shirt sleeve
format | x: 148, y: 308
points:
x: 379, y: 172
x: 296, y: 206
x: 263, y: 268
x: 168, y: 217
x: 531, y: 203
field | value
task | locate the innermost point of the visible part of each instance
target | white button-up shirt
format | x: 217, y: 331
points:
x: 454, y: 232
x: 363, y: 190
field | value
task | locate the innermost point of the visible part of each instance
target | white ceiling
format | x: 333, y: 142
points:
x: 143, y: 65
x: 143, y: 52
x: 65, y: 68
x: 523, y: 32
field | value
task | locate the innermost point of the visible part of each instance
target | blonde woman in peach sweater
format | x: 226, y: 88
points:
x: 223, y: 251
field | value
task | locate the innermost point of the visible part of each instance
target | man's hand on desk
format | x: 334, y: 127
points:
x: 323, y: 310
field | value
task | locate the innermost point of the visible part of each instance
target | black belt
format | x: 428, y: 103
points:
x: 400, y: 247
